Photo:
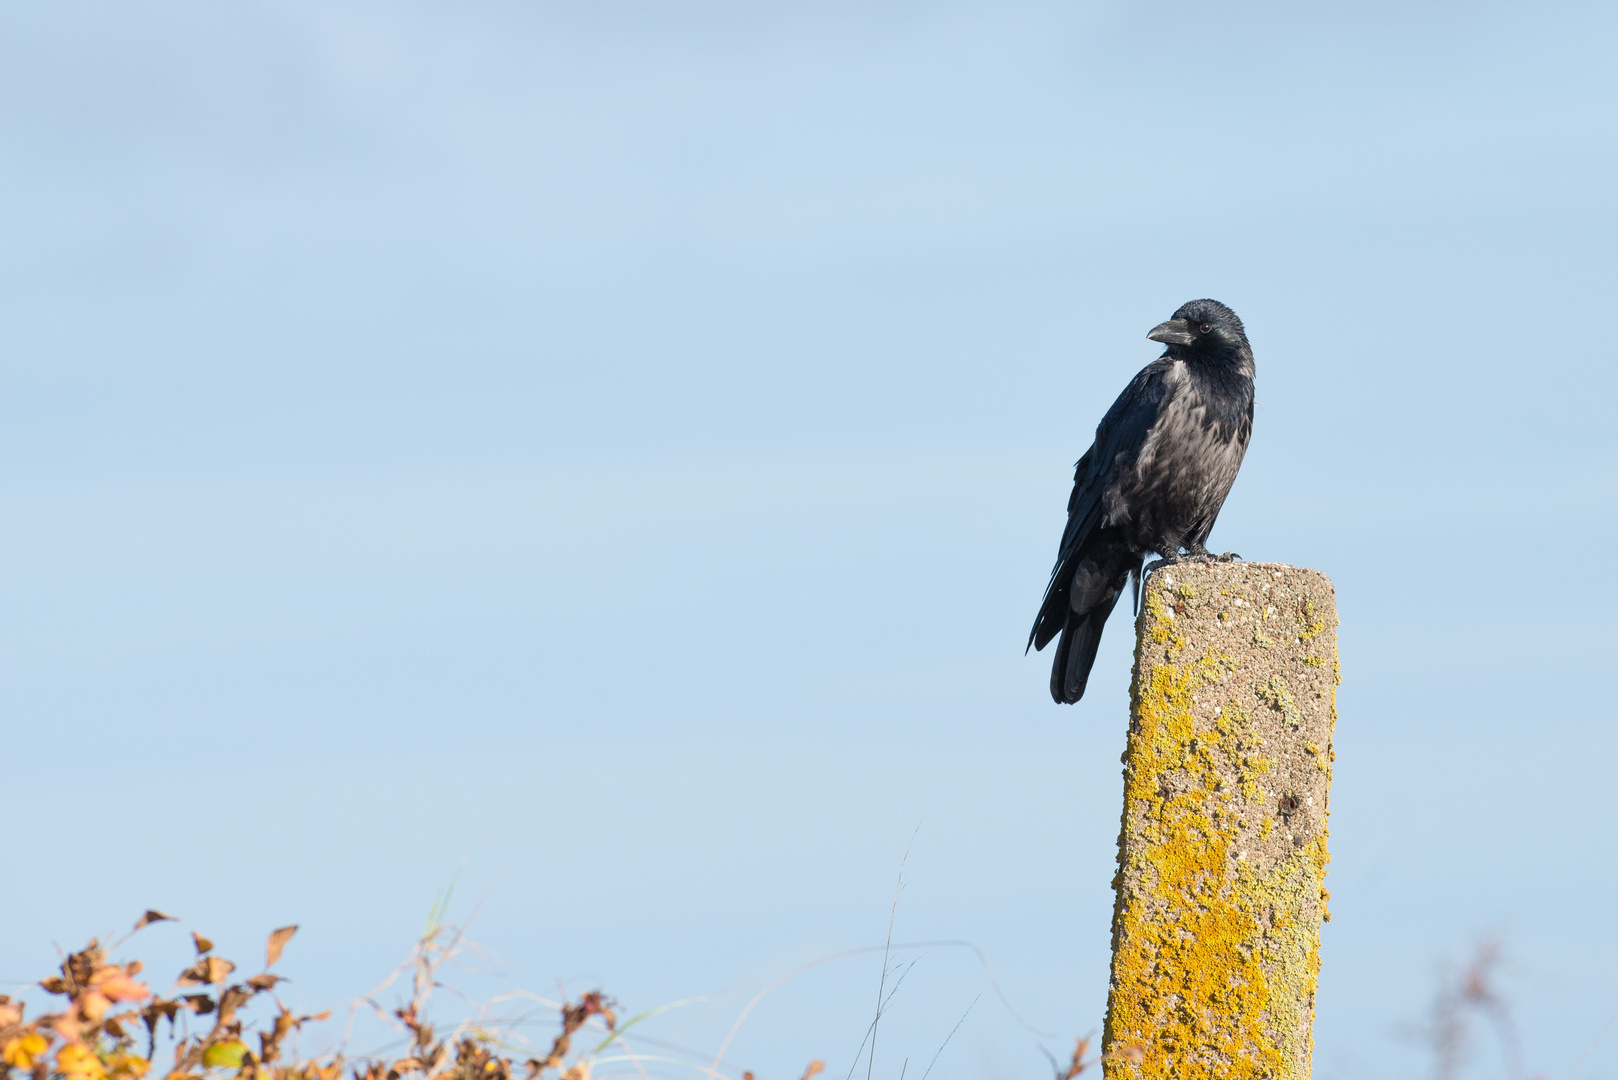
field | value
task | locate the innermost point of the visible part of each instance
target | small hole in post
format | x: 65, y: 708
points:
x: 1288, y: 806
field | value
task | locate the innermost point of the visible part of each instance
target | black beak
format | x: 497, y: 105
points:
x: 1173, y: 332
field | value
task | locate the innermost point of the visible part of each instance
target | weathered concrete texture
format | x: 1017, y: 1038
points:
x: 1222, y: 854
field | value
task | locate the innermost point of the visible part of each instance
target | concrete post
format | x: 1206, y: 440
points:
x: 1222, y: 853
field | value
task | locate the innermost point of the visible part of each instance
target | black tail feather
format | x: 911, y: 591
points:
x: 1076, y: 652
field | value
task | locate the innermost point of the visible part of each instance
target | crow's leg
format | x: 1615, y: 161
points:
x: 1229, y: 556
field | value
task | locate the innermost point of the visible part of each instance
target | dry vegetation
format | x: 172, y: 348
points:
x: 105, y: 1023
x: 1465, y: 997
x: 102, y: 1020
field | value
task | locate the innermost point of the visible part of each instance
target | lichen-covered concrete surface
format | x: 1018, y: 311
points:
x: 1222, y: 853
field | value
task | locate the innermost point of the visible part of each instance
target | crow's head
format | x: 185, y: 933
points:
x: 1204, y: 328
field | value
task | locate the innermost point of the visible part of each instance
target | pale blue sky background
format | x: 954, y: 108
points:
x: 613, y: 452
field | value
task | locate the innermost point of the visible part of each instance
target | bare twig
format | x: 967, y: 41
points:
x: 893, y: 914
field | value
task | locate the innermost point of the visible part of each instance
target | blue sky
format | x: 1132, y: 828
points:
x: 609, y: 455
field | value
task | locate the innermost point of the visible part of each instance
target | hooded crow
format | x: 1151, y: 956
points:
x: 1163, y: 460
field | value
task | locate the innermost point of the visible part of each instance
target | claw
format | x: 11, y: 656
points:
x: 1158, y: 564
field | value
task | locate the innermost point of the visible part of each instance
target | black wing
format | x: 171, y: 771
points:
x: 1119, y: 438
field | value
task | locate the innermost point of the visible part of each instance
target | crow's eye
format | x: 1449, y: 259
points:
x: 1207, y: 328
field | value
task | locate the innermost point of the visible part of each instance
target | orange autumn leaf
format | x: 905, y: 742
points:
x: 118, y: 984
x: 76, y: 1062
x: 68, y: 1025
x: 93, y: 1005
x: 128, y: 1066
x: 22, y: 1051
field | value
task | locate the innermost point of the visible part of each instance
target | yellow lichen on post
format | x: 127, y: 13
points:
x: 1222, y: 853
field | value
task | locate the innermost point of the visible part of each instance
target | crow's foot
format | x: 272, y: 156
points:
x: 1198, y: 554
x: 1158, y: 564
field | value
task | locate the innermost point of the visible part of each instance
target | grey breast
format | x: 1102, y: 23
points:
x: 1188, y: 463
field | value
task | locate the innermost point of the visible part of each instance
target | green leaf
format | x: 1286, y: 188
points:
x: 225, y: 1055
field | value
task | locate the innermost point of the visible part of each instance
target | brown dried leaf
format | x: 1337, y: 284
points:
x: 232, y: 999
x: 158, y: 1009
x: 816, y: 1066
x: 264, y: 982
x: 55, y: 985
x: 79, y: 966
x: 1078, y: 1064
x: 269, y: 1042
x: 210, y: 969
x: 204, y: 946
x: 201, y: 1004
x: 278, y: 941
x: 152, y: 916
